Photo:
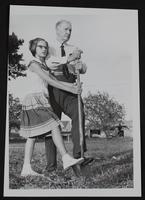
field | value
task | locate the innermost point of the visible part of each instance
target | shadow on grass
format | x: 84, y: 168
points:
x: 111, y: 173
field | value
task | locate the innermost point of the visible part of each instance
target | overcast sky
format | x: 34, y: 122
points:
x: 108, y: 38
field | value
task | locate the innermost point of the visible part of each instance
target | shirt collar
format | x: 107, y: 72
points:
x: 36, y: 59
x: 58, y: 44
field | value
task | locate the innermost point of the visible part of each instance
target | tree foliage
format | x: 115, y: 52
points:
x: 14, y: 57
x: 102, y: 112
x: 15, y: 108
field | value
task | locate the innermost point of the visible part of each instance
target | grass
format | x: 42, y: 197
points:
x: 112, y: 167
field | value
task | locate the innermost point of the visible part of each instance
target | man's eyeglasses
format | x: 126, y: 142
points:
x: 40, y: 46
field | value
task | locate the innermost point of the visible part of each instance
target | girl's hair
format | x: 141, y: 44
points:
x: 33, y: 44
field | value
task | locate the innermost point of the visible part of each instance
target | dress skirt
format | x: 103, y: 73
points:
x: 37, y: 117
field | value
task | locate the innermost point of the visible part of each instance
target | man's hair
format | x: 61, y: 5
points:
x: 62, y: 21
x: 33, y: 44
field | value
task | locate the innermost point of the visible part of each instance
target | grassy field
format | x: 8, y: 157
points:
x: 112, y: 167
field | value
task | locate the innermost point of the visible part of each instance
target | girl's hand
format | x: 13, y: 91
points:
x: 76, y: 89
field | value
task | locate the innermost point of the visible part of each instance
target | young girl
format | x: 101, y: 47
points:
x: 37, y: 117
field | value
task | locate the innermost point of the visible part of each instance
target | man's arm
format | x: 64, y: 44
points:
x: 77, y: 65
x: 51, y: 81
x: 53, y: 62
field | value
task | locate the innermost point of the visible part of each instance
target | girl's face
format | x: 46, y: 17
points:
x: 41, y: 49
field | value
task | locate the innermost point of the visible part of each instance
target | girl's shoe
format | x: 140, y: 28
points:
x: 69, y: 161
x: 29, y: 172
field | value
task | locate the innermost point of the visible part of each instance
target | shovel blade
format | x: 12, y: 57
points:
x: 77, y: 170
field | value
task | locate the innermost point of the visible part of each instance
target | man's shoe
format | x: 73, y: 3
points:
x: 87, y: 161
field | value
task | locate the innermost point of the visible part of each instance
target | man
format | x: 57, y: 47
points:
x: 62, y: 101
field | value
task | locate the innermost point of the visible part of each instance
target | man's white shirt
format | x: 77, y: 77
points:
x: 54, y: 59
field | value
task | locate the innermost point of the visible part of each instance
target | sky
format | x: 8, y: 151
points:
x: 108, y: 38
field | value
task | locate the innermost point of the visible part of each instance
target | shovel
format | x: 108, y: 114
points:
x: 77, y: 169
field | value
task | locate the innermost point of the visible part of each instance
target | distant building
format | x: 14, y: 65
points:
x: 66, y: 126
x: 128, y: 132
x: 66, y: 129
x: 113, y: 131
x: 14, y: 130
x: 95, y: 133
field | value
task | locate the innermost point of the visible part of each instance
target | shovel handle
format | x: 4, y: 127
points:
x: 80, y: 115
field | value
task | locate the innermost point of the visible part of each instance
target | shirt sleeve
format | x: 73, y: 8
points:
x: 56, y: 61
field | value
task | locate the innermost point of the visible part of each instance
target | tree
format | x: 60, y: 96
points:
x: 102, y: 112
x: 15, y: 108
x: 14, y: 58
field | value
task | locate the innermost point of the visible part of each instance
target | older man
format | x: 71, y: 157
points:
x: 62, y: 101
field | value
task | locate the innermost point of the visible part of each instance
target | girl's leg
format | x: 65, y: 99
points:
x: 29, y: 148
x: 58, y: 141
x: 68, y: 160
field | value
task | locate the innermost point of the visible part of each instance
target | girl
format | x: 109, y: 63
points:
x: 37, y: 117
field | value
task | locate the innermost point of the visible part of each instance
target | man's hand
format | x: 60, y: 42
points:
x: 76, y: 88
x: 76, y: 54
x: 79, y: 65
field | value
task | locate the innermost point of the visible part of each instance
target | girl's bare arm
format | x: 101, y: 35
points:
x: 52, y: 81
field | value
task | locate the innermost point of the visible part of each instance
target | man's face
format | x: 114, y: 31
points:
x: 63, y: 31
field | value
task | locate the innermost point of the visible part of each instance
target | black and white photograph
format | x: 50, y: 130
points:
x: 73, y: 102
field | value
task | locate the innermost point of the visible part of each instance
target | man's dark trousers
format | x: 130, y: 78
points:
x: 62, y: 101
